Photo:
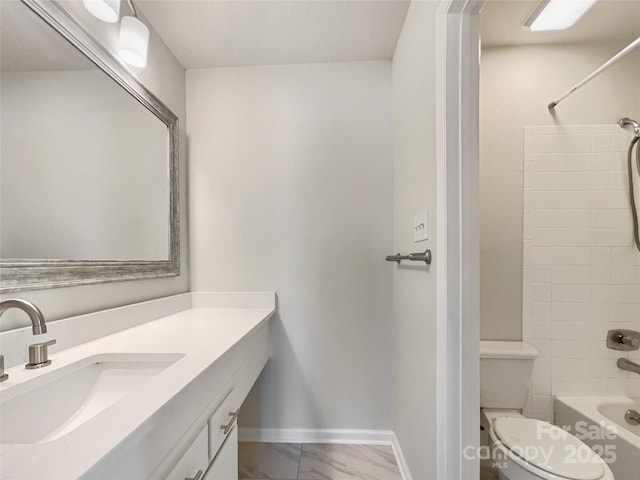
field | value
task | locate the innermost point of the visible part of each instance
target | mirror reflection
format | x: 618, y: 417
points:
x: 84, y: 166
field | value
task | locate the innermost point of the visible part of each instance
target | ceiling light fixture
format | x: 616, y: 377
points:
x: 133, y: 43
x: 557, y: 14
x: 106, y: 10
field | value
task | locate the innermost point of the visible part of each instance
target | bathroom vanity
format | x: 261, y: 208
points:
x: 158, y: 398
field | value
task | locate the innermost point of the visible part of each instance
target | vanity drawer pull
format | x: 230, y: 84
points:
x: 228, y: 426
x: 197, y: 477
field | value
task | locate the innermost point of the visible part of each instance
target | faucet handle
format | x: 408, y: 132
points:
x: 39, y: 355
x: 625, y: 340
x: 631, y: 341
x: 3, y: 376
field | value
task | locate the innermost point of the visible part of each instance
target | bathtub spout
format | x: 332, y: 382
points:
x: 628, y: 365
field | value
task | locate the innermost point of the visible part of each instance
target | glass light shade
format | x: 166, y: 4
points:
x: 560, y: 14
x: 133, y: 43
x: 106, y: 10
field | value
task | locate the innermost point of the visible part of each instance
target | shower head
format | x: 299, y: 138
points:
x: 625, y: 122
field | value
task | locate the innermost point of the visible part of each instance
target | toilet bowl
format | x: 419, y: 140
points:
x: 524, y: 448
x: 528, y: 449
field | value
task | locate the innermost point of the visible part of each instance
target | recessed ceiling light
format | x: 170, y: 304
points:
x: 557, y: 14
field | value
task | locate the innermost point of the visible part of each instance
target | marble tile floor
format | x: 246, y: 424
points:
x: 294, y: 461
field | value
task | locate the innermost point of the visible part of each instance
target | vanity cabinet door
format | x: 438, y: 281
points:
x: 194, y: 460
x: 225, y: 465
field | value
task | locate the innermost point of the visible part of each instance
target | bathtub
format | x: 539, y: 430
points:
x: 600, y: 423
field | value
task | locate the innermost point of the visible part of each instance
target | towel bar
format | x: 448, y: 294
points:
x: 414, y: 257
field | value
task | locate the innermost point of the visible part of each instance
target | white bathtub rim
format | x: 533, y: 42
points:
x: 588, y: 407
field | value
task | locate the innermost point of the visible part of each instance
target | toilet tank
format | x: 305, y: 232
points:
x: 505, y: 373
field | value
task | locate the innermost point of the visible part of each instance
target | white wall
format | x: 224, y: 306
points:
x: 414, y: 189
x: 290, y: 190
x: 165, y: 77
x: 516, y: 85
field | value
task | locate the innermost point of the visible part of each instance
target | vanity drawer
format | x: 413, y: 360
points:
x: 194, y: 460
x: 225, y: 415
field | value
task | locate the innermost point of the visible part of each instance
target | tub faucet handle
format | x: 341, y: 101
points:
x: 624, y: 340
x: 634, y: 342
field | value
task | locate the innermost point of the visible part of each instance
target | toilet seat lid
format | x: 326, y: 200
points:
x: 549, y: 448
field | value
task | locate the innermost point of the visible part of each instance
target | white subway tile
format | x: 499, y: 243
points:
x: 541, y: 293
x: 598, y: 386
x: 581, y: 143
x: 600, y: 293
x: 621, y: 142
x: 602, y: 143
x: 538, y: 144
x: 581, y: 272
x: 602, y: 162
x: 541, y: 385
x: 564, y: 144
x: 617, y: 386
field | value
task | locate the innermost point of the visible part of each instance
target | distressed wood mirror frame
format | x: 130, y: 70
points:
x: 16, y: 274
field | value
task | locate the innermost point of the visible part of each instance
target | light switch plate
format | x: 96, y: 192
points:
x: 420, y: 227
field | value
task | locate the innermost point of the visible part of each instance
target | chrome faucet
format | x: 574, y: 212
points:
x: 38, y: 325
x: 628, y: 365
x: 38, y: 353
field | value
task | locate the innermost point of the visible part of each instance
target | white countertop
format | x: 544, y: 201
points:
x: 203, y: 335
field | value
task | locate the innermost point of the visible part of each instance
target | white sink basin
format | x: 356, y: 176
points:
x: 52, y: 405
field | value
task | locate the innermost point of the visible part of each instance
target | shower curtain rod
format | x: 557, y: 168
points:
x: 623, y: 53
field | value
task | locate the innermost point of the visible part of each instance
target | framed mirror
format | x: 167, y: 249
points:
x: 88, y: 159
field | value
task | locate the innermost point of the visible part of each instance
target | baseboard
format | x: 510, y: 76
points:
x: 405, y: 473
x: 303, y: 435
x: 336, y: 436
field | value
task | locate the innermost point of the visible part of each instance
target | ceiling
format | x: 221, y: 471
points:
x: 214, y: 33
x: 219, y: 33
x: 607, y: 21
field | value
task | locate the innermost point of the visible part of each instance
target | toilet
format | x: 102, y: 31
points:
x: 525, y: 448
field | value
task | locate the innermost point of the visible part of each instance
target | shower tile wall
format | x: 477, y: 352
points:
x: 581, y: 272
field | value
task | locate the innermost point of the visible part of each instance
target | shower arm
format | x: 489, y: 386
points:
x: 626, y: 122
x: 623, y: 53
